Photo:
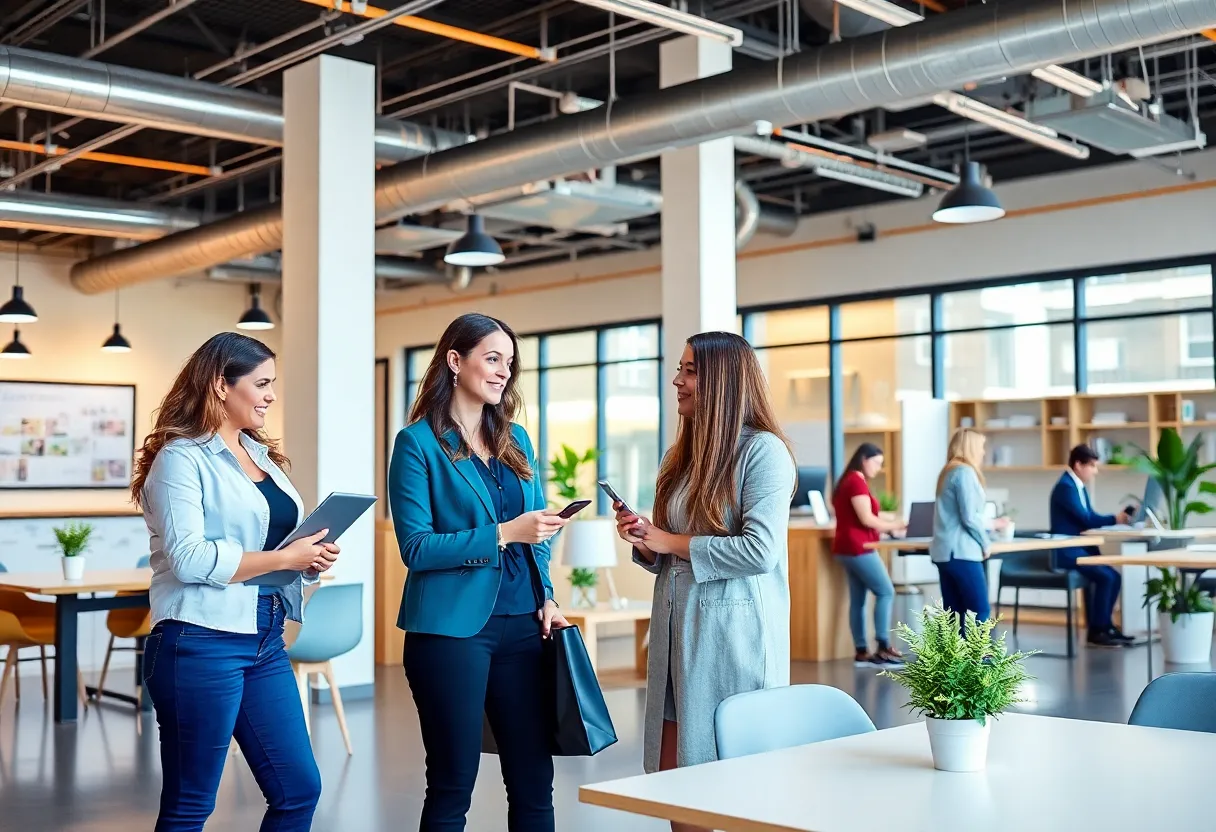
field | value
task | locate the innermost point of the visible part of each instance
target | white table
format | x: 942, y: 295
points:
x: 1044, y: 774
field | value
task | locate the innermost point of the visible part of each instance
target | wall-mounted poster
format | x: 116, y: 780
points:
x: 55, y: 435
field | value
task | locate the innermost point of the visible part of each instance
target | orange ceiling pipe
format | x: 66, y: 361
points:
x: 111, y: 158
x: 1210, y: 34
x: 445, y: 31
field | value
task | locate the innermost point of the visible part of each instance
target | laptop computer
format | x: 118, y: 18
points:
x: 920, y: 520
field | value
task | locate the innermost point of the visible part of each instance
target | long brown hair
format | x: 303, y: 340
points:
x: 192, y: 410
x: 732, y: 395
x: 438, y: 386
x: 966, y: 448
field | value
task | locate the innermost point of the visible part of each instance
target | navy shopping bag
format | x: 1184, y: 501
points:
x: 580, y: 724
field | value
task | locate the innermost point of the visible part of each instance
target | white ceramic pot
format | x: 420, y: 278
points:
x: 1187, y: 640
x: 73, y: 568
x: 958, y: 744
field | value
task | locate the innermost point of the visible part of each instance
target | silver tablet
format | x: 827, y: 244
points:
x: 337, y: 512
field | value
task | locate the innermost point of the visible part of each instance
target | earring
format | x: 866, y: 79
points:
x: 455, y: 379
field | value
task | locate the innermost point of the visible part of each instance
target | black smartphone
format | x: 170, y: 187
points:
x: 608, y: 489
x: 573, y: 509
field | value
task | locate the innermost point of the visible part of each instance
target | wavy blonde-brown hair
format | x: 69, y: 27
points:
x: 732, y: 394
x: 966, y: 448
x: 192, y: 410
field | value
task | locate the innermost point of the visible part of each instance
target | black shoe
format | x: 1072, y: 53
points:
x: 1119, y: 636
x: 1103, y: 639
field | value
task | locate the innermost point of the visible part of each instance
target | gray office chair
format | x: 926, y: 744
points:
x: 766, y: 720
x: 1183, y: 701
x: 1038, y: 570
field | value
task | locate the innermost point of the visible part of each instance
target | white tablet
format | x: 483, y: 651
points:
x: 337, y: 512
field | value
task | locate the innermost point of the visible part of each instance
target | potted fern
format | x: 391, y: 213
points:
x: 1186, y: 616
x: 73, y: 540
x: 959, y: 681
x: 564, y: 468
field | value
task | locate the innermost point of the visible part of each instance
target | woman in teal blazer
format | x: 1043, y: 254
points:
x: 469, y: 510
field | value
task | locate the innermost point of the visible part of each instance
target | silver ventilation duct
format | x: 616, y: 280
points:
x: 95, y: 217
x: 109, y: 92
x: 391, y: 273
x: 947, y: 51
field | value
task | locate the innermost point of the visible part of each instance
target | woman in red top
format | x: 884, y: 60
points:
x: 858, y: 523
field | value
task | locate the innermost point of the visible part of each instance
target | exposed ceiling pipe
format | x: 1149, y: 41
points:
x: 832, y: 166
x: 747, y: 214
x: 95, y: 217
x: 131, y: 96
x: 391, y: 273
x: 947, y: 51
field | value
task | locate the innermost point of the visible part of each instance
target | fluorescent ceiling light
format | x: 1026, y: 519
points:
x: 669, y: 18
x: 1067, y: 80
x: 856, y: 175
x: 1009, y: 123
x: 895, y: 15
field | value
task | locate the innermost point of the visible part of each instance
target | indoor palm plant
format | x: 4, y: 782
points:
x: 1186, y: 614
x: 73, y: 540
x: 1177, y: 470
x: 564, y: 470
x: 958, y: 679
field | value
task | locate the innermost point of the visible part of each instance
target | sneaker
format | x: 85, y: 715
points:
x: 863, y: 659
x: 888, y: 657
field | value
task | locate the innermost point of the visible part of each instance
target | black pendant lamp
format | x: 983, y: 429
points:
x: 475, y: 247
x: 117, y: 342
x: 255, y: 317
x: 17, y: 310
x: 969, y: 201
x: 14, y: 348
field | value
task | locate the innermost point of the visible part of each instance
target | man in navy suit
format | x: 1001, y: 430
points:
x: 1071, y: 514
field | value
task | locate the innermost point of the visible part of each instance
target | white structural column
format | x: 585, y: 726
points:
x: 698, y: 218
x: 328, y: 359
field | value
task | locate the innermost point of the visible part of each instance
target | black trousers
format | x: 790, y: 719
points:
x: 497, y: 672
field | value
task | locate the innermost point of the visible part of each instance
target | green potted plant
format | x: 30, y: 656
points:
x: 958, y: 680
x: 73, y: 540
x: 564, y: 470
x: 1177, y: 470
x: 888, y: 502
x: 1185, y: 613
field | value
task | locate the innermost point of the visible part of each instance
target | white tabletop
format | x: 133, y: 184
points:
x: 1044, y: 774
x: 1112, y: 533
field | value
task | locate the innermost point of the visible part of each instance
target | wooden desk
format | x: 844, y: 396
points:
x: 920, y: 545
x: 1044, y: 774
x: 588, y: 622
x: 1127, y: 535
x: 819, y: 595
x: 68, y: 605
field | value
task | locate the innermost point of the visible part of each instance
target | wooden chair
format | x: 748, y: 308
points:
x: 23, y: 625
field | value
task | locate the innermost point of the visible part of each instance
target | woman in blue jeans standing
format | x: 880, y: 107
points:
x: 960, y: 537
x: 858, y: 523
x: 217, y: 503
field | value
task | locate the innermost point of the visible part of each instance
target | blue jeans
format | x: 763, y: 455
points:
x: 965, y: 588
x: 209, y: 686
x: 458, y: 683
x: 868, y: 572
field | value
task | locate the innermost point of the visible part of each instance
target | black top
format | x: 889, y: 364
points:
x: 283, y: 519
x: 519, y: 593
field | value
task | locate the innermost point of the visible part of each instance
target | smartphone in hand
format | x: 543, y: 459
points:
x: 573, y: 509
x: 607, y: 488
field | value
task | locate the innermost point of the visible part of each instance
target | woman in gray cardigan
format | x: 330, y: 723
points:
x: 960, y: 537
x: 717, y: 543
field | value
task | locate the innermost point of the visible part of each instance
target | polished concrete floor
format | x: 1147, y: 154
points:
x: 103, y: 774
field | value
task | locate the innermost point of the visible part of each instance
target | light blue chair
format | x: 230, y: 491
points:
x: 767, y: 720
x: 333, y: 625
x: 1183, y: 701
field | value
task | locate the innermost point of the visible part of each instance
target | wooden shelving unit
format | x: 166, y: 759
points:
x: 886, y: 437
x: 1062, y: 422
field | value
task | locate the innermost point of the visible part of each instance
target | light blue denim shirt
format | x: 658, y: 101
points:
x: 203, y: 513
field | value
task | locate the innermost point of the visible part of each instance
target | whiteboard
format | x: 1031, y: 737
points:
x: 55, y: 435
x: 928, y: 420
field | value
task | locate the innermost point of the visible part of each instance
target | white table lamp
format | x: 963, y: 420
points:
x: 591, y: 544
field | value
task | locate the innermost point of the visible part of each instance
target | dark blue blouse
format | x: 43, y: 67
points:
x: 520, y: 592
x: 283, y: 519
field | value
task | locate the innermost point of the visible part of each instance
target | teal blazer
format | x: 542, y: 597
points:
x: 447, y: 531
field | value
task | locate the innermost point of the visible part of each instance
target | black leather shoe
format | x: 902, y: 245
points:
x: 1118, y: 635
x: 1103, y: 639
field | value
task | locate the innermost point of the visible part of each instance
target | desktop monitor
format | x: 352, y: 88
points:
x: 920, y: 519
x: 810, y: 478
x: 1154, y: 498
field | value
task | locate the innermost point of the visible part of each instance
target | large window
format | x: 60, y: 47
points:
x: 841, y: 369
x: 596, y: 388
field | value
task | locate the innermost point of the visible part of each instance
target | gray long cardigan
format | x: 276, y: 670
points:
x: 729, y: 613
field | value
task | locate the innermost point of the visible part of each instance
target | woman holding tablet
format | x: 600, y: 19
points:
x: 468, y: 506
x: 217, y: 502
x: 718, y: 546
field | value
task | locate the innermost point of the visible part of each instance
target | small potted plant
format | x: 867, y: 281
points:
x: 888, y: 503
x: 1177, y: 470
x: 73, y: 540
x: 958, y: 680
x: 1185, y: 613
